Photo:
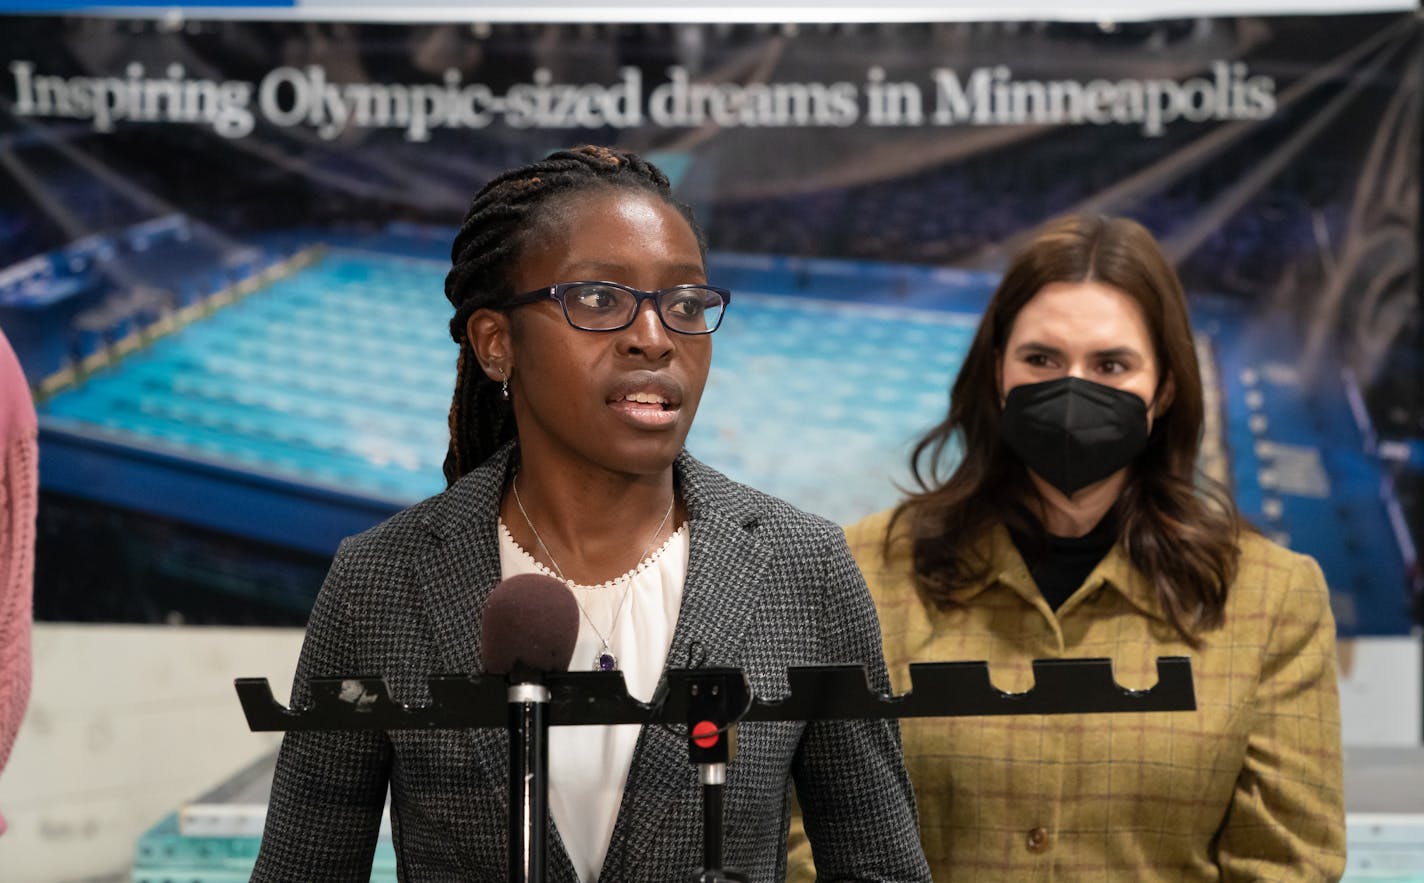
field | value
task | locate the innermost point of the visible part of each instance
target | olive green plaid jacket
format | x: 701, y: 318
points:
x: 1248, y: 787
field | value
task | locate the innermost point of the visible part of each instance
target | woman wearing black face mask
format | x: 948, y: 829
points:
x: 1076, y: 525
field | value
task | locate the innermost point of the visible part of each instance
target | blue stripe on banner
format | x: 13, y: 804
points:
x: 71, y: 6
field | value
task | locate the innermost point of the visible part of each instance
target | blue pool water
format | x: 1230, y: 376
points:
x: 317, y: 405
x: 819, y: 402
x: 339, y: 376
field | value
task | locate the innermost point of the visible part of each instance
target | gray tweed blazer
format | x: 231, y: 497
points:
x: 768, y: 586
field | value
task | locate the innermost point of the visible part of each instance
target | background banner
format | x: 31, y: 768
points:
x: 222, y: 246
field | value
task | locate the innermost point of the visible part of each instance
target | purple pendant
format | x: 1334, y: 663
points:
x: 606, y: 662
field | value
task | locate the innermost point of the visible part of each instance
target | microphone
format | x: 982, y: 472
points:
x: 529, y: 629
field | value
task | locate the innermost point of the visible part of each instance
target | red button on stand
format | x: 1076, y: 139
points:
x: 704, y: 734
x: 1037, y: 840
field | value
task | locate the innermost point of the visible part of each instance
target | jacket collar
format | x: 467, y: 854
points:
x: 464, y: 566
x: 1116, y: 571
x: 1007, y: 568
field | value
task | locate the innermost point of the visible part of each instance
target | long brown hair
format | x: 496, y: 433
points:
x: 1178, y: 528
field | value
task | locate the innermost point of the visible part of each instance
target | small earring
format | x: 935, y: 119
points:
x: 504, y: 386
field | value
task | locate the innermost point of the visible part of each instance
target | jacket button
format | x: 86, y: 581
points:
x: 1037, y: 840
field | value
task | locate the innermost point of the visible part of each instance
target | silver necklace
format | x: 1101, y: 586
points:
x: 604, y: 659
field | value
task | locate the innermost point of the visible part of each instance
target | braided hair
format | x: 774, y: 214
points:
x: 506, y: 215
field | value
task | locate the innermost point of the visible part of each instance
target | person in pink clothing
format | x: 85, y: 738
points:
x: 19, y: 492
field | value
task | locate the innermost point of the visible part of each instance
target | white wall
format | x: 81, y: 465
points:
x: 124, y: 724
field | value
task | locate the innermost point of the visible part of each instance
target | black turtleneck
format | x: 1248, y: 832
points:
x: 1059, y: 565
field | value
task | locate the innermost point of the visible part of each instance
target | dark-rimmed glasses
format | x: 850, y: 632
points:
x: 610, y: 306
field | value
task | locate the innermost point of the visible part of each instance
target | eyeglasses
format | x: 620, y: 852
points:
x: 609, y: 306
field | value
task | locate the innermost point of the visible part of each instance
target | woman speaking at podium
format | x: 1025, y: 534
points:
x: 584, y: 320
x: 1076, y: 525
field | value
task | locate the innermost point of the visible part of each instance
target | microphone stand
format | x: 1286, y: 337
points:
x: 716, y: 698
x: 528, y: 779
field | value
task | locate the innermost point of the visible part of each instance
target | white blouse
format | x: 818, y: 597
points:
x: 588, y: 766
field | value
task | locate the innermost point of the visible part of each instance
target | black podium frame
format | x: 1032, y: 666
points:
x: 834, y: 692
x: 938, y: 689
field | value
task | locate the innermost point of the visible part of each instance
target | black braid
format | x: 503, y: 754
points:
x: 491, y: 238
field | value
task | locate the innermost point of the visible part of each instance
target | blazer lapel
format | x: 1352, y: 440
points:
x: 719, y: 599
x: 457, y: 581
x: 724, y: 560
x: 458, y: 577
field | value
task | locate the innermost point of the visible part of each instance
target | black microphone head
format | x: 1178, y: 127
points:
x: 531, y: 623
